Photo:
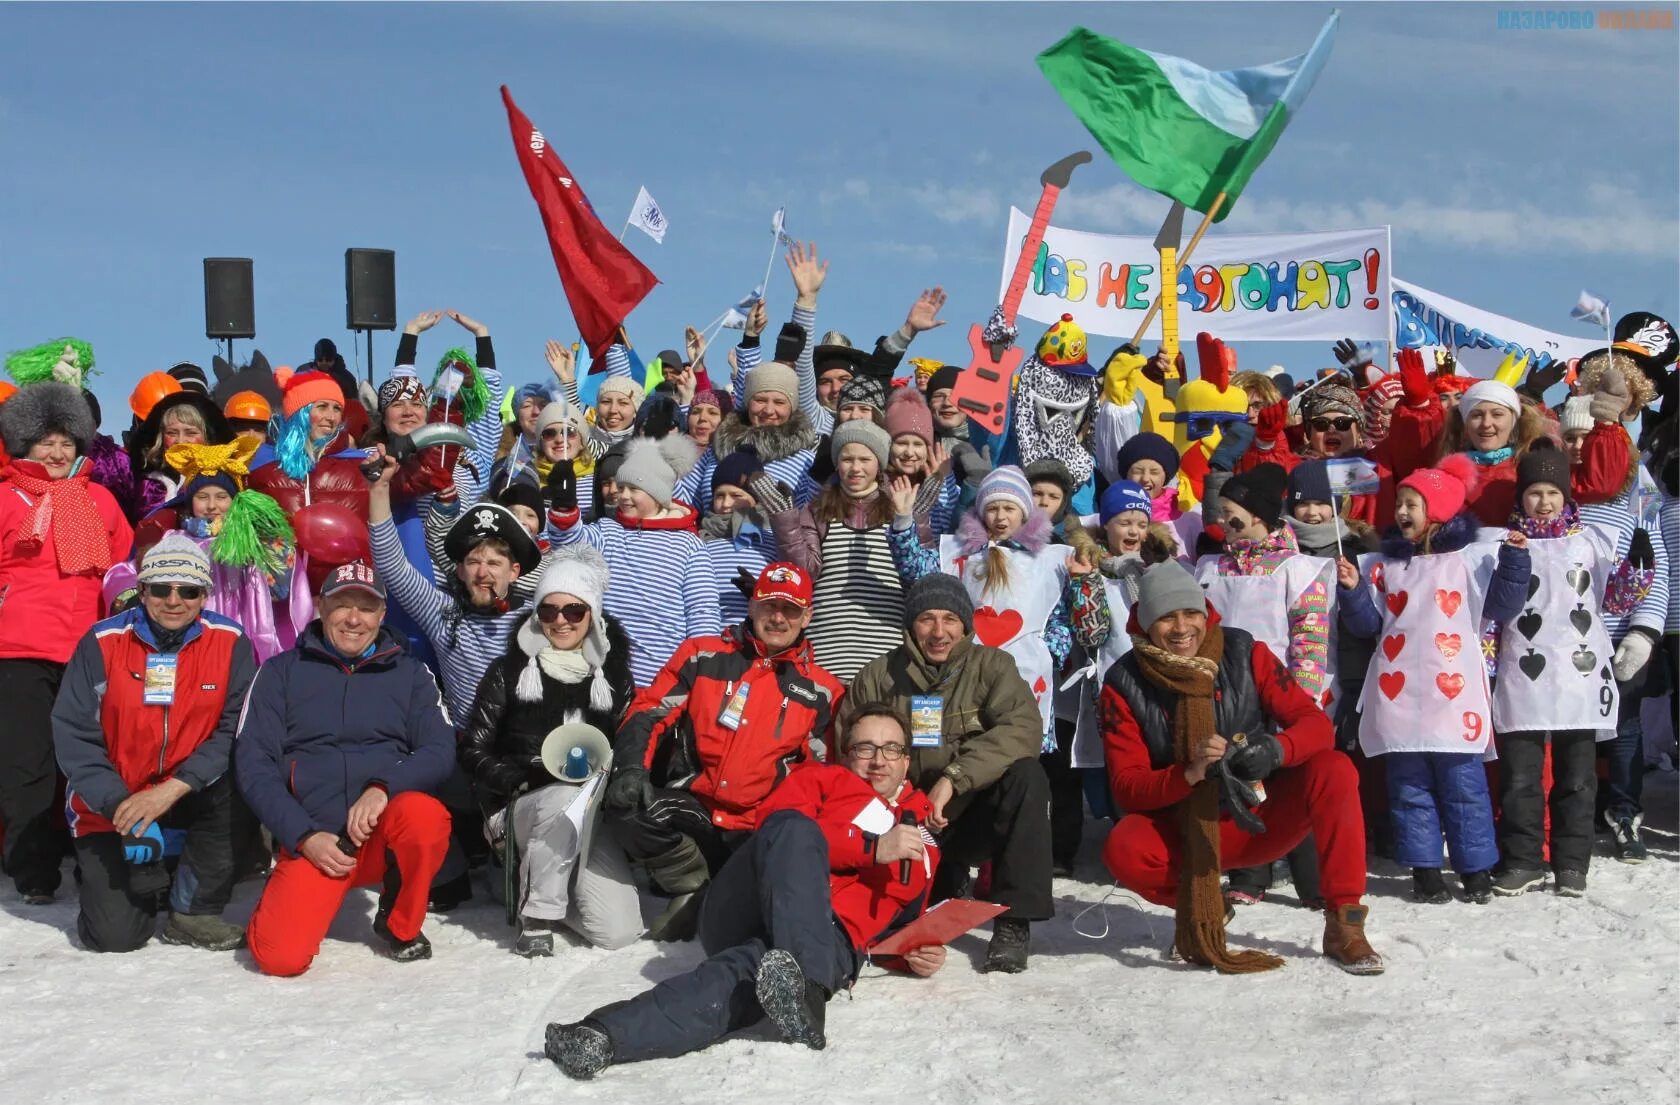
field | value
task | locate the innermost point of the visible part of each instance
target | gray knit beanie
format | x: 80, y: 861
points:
x: 862, y: 431
x: 1166, y: 587
x: 938, y: 591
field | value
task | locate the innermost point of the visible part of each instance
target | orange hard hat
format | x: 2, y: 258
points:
x: 248, y: 406
x: 7, y: 390
x: 152, y: 387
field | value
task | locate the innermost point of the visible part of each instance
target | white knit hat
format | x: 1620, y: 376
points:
x: 624, y: 384
x: 1577, y: 414
x: 571, y: 570
x: 176, y: 559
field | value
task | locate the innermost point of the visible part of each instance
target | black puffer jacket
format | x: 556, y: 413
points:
x: 502, y: 747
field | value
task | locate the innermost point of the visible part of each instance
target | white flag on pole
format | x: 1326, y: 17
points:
x: 734, y: 320
x: 647, y: 216
x: 778, y: 223
x: 1591, y: 308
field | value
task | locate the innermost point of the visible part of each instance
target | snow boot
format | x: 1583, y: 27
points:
x: 1429, y: 887
x: 681, y: 873
x: 202, y: 930
x: 1478, y: 887
x: 1569, y: 884
x: 1007, y: 953
x: 445, y: 896
x: 39, y: 897
x: 403, y: 951
x: 1629, y: 848
x: 795, y: 1005
x: 1344, y: 940
x: 580, y: 1050
x: 1518, y: 880
x: 535, y: 939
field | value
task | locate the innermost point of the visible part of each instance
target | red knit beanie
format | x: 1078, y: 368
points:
x: 305, y: 389
x: 1445, y: 487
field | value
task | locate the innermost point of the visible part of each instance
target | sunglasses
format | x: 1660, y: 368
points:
x: 573, y: 612
x: 1341, y: 424
x: 555, y: 431
x: 187, y: 591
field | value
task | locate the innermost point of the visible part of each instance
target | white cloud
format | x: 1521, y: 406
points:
x: 958, y: 203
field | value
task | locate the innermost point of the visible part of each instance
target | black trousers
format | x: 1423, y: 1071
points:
x: 654, y: 830
x: 1303, y: 873
x: 772, y: 893
x: 1067, y: 796
x: 29, y: 774
x: 115, y: 917
x: 1008, y: 825
x: 1522, y: 806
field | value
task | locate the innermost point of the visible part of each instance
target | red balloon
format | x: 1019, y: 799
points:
x: 331, y: 534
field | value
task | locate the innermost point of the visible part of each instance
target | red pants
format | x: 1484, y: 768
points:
x: 300, y: 902
x: 1143, y: 852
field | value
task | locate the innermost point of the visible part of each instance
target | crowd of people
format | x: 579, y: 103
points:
x: 802, y: 651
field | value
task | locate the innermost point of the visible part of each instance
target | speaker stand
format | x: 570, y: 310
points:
x: 229, y: 357
x: 369, y: 334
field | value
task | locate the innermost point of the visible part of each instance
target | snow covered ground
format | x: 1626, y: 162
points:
x: 1533, y: 999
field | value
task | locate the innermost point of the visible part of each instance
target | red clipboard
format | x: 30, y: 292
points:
x: 939, y: 925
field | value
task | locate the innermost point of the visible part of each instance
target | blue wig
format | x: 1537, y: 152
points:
x: 296, y: 452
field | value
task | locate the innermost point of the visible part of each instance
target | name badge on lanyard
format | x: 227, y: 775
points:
x: 927, y: 720
x: 159, y: 681
x: 734, y: 708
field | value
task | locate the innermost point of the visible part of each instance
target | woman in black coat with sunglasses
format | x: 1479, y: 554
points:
x: 567, y: 662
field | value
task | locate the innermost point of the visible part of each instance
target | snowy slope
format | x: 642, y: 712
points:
x: 1531, y: 999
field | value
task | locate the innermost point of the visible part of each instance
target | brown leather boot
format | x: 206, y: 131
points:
x: 1344, y: 941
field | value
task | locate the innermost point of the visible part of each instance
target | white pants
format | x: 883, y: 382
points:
x: 598, y: 900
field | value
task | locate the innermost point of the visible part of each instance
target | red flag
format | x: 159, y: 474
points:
x: 602, y: 279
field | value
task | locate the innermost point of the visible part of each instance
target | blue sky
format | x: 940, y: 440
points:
x: 1514, y: 166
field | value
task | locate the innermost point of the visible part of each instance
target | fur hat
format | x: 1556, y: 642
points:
x: 862, y: 431
x: 656, y: 466
x: 44, y: 408
x: 908, y: 413
x: 570, y: 570
x: 1445, y: 487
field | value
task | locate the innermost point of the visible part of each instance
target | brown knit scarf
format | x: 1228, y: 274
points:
x: 1199, y: 920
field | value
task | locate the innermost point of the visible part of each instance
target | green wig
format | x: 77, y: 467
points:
x: 31, y: 366
x: 254, y: 532
x: 474, y: 396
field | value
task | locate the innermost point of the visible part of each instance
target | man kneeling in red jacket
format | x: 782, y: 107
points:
x: 783, y: 935
x: 1194, y: 718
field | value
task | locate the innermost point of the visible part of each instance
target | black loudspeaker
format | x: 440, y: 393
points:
x: 370, y: 289
x: 228, y: 309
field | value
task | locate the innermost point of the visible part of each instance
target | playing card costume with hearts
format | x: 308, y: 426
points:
x: 1554, y: 658
x: 1283, y: 602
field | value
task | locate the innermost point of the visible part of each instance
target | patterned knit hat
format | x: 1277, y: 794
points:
x: 1328, y: 400
x: 1007, y: 482
x: 403, y: 386
x: 1122, y: 496
x: 712, y: 397
x: 863, y: 391
x: 1543, y: 463
x: 176, y: 559
x: 1063, y: 348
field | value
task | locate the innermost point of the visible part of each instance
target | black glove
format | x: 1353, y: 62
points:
x: 1347, y: 352
x: 561, y: 488
x: 1236, y: 797
x: 822, y: 465
x: 1640, y: 556
x: 628, y: 790
x: 1539, y: 379
x: 657, y: 416
x: 745, y: 582
x: 1255, y: 758
x: 790, y: 343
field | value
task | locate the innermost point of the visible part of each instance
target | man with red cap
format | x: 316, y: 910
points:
x: 687, y: 782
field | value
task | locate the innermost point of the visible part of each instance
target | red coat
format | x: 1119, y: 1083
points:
x: 866, y: 896
x: 334, y: 479
x: 675, y: 721
x: 43, y: 612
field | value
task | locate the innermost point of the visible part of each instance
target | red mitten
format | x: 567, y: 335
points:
x: 1269, y: 426
x: 1414, y: 380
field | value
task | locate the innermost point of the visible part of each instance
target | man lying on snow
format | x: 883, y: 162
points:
x: 782, y: 935
x: 1194, y: 718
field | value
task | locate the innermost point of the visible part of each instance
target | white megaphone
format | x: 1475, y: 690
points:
x: 574, y: 752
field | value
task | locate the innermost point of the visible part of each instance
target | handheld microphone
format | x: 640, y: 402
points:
x: 906, y: 818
